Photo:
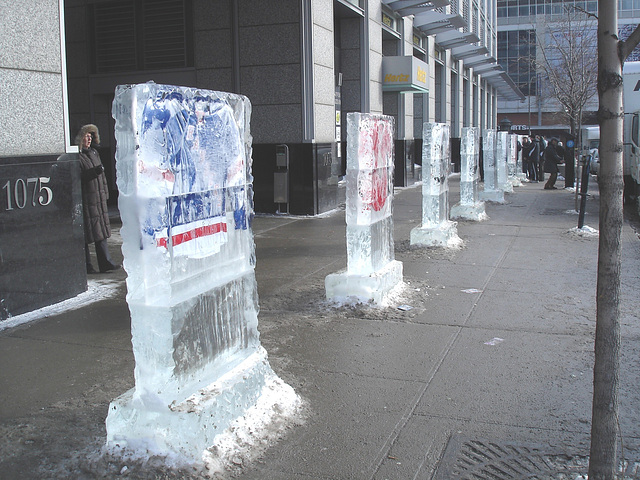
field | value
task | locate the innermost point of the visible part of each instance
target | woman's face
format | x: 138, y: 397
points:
x: 86, y: 141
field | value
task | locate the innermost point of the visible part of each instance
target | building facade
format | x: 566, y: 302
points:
x: 519, y: 21
x: 41, y: 237
x: 304, y: 64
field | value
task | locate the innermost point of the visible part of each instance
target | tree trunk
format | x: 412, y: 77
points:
x: 604, y: 427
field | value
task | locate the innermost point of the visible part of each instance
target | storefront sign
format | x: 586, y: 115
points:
x: 404, y: 74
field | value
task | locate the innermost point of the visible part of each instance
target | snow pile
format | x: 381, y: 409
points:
x: 585, y: 231
x: 97, y: 290
x: 277, y: 409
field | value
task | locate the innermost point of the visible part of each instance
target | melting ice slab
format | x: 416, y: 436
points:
x: 184, y: 177
x: 371, y: 266
x: 503, y: 144
x: 514, y: 168
x: 469, y: 207
x: 436, y: 228
x: 491, y: 192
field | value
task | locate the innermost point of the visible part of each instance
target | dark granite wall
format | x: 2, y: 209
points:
x: 41, y: 236
x: 313, y: 178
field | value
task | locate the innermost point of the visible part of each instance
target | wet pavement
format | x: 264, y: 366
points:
x: 487, y: 375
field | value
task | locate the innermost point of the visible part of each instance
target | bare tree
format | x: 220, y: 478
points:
x: 567, y: 62
x: 604, y: 422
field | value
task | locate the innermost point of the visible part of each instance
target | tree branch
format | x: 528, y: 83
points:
x: 626, y: 47
x: 588, y: 14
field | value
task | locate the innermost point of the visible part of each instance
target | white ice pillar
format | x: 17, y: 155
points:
x: 519, y: 161
x: 513, y: 165
x: 502, y: 162
x: 469, y: 207
x: 371, y: 266
x: 491, y: 192
x: 436, y: 228
x: 184, y: 177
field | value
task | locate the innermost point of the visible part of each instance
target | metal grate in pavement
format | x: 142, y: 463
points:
x: 553, y: 211
x: 467, y: 459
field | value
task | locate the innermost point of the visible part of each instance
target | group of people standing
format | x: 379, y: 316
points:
x: 540, y: 157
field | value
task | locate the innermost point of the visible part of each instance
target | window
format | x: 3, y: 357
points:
x: 523, y: 8
x: 133, y: 35
x: 516, y: 49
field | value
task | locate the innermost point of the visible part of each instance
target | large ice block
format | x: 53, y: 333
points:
x: 502, y: 162
x: 491, y: 192
x: 436, y: 228
x: 513, y: 165
x: 521, y: 175
x: 469, y: 208
x: 186, y: 202
x: 371, y: 266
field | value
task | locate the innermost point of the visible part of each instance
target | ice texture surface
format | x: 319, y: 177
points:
x: 436, y: 228
x: 371, y: 266
x: 186, y: 202
x: 184, y: 175
x: 469, y: 165
x: 489, y: 160
x: 370, y: 169
x: 469, y: 208
x: 435, y: 174
x: 502, y: 160
x: 512, y: 148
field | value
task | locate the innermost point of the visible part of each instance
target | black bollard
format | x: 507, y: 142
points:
x: 584, y: 186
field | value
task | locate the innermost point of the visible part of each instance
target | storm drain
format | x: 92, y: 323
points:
x: 553, y: 211
x: 467, y: 459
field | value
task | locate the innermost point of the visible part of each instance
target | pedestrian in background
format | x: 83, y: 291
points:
x: 551, y: 161
x: 95, y: 193
x: 542, y: 145
x: 531, y: 152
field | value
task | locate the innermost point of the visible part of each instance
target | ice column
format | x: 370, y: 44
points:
x: 186, y: 202
x: 490, y: 193
x: 519, y: 173
x: 469, y: 207
x: 502, y: 162
x: 513, y: 166
x: 436, y: 228
x: 371, y: 266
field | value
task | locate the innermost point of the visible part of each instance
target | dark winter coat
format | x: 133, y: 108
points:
x: 531, y: 151
x: 551, y: 159
x: 95, y: 193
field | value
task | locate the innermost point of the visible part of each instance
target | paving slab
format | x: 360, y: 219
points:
x: 493, y: 358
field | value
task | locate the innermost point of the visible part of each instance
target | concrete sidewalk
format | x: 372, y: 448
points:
x: 489, y: 371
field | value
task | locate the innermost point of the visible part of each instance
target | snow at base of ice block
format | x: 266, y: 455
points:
x: 346, y: 288
x: 185, y: 430
x: 515, y: 181
x: 474, y: 212
x: 443, y: 235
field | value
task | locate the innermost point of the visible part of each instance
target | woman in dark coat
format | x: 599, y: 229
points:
x: 95, y: 194
x: 551, y: 161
